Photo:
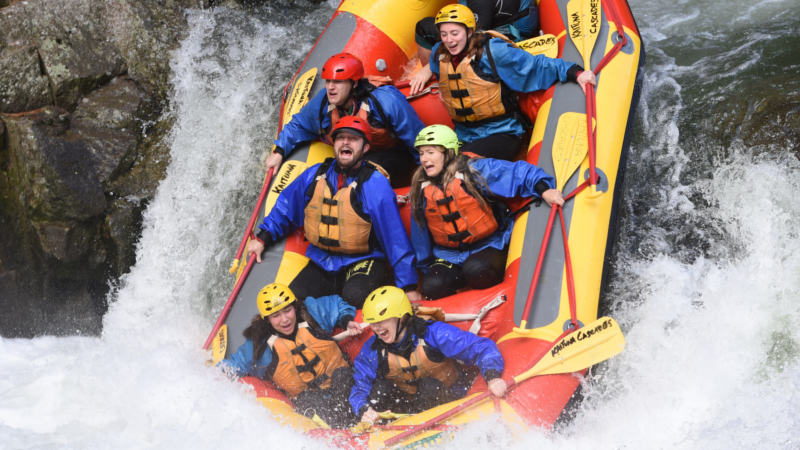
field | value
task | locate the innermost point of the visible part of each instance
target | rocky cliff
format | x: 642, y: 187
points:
x: 83, y: 90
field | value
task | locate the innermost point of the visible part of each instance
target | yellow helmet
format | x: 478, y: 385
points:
x: 384, y: 303
x: 273, y: 298
x: 456, y: 13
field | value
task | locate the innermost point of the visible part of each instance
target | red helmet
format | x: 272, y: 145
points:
x: 352, y: 123
x: 343, y: 66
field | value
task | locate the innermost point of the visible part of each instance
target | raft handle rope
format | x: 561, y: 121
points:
x: 591, y: 116
x: 591, y: 106
x: 567, y: 260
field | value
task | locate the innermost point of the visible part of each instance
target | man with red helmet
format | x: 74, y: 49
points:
x: 354, y: 237
x: 392, y: 121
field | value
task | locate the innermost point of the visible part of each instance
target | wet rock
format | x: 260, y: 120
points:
x: 82, y: 149
x: 53, y: 167
x: 139, y: 183
x: 111, y: 122
x: 123, y: 223
x: 23, y: 86
x: 67, y: 38
x: 67, y: 242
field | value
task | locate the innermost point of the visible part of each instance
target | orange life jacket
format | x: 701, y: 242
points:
x: 454, y: 217
x: 471, y: 97
x: 331, y: 221
x: 382, y: 138
x: 307, y: 361
x: 405, y: 373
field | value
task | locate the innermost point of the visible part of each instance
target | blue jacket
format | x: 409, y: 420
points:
x: 504, y: 179
x: 522, y: 28
x: 452, y: 342
x: 305, y: 126
x: 328, y: 312
x: 380, y: 205
x: 520, y: 71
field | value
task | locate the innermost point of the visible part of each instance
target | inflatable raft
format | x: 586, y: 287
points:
x: 543, y: 316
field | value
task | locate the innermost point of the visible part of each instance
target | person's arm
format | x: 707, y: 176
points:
x: 518, y: 178
x: 465, y: 346
x: 240, y: 364
x: 512, y: 179
x: 303, y: 127
x: 523, y: 72
x: 365, y: 369
x: 433, y: 61
x: 380, y: 204
x: 287, y: 213
x: 420, y: 78
x: 330, y: 311
x: 404, y: 119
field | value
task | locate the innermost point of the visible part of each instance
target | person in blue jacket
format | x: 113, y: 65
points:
x: 460, y: 230
x: 479, y: 76
x: 517, y: 19
x: 289, y: 342
x: 393, y: 122
x: 349, y: 215
x: 409, y: 364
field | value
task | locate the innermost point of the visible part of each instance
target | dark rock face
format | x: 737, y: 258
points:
x: 82, y: 89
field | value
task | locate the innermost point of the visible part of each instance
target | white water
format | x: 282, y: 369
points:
x: 713, y: 359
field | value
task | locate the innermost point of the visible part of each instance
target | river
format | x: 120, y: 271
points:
x: 705, y: 277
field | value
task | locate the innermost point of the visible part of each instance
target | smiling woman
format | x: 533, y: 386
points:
x: 460, y: 230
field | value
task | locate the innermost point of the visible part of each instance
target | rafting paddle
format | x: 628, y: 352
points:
x: 584, y: 27
x: 569, y: 146
x: 578, y: 350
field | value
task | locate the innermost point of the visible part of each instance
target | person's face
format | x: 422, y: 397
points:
x: 338, y: 91
x: 284, y: 320
x: 386, y: 330
x: 454, y: 37
x: 348, y: 147
x: 431, y: 158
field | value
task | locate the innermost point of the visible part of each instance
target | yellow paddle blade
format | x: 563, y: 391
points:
x: 546, y: 45
x: 584, y: 27
x: 220, y: 344
x: 570, y: 146
x: 583, y: 348
x: 300, y: 94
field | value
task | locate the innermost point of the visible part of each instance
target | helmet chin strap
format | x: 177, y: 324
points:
x: 401, y: 327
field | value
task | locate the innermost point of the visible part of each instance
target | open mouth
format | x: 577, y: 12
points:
x: 383, y: 335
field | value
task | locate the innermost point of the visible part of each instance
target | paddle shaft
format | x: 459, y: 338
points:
x: 253, y: 217
x: 231, y: 299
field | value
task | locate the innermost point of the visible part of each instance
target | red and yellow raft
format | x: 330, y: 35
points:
x: 551, y: 288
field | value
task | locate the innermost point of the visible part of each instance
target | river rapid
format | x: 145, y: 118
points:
x: 705, y: 276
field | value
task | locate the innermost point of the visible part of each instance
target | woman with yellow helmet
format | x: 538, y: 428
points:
x: 517, y: 19
x: 409, y: 364
x: 479, y: 76
x: 289, y: 342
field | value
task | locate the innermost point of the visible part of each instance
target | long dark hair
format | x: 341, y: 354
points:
x: 260, y: 330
